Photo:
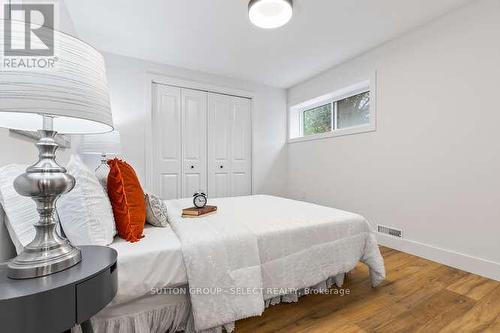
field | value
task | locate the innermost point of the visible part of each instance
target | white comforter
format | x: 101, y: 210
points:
x: 152, y: 264
x: 256, y: 247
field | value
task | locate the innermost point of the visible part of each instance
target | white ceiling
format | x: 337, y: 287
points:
x: 216, y: 36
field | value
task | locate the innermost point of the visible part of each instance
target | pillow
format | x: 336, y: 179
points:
x: 156, y: 211
x: 85, y: 212
x: 20, y: 211
x: 127, y: 200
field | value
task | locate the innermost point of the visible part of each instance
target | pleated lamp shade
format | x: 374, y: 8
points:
x: 106, y: 143
x: 74, y: 92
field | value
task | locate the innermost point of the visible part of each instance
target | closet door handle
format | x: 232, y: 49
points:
x: 222, y: 167
x: 192, y: 166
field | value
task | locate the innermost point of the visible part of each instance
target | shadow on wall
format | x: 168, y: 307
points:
x: 17, y: 148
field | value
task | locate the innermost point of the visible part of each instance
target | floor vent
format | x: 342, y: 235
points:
x: 390, y: 231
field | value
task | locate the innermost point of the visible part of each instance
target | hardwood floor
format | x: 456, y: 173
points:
x: 418, y: 296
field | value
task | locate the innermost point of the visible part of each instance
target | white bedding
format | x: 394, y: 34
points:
x: 301, y: 244
x: 265, y: 241
x: 219, y: 253
x: 153, y: 262
x: 297, y: 245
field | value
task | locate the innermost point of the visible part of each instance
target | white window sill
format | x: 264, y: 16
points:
x: 340, y: 132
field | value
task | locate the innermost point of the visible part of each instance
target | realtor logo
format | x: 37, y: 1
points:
x: 32, y: 38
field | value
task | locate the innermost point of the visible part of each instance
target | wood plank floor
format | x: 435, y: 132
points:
x: 418, y: 296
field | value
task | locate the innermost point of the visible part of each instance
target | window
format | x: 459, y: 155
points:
x: 344, y: 112
x: 353, y: 111
x: 318, y: 120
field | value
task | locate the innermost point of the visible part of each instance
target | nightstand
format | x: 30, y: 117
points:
x: 57, y: 302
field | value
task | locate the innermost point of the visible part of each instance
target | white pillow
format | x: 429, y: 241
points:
x: 85, y: 212
x: 156, y: 211
x: 20, y: 211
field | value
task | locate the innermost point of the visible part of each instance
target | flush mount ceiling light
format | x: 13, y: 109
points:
x: 269, y: 14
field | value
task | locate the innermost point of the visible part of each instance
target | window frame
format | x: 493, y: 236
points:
x: 296, y: 113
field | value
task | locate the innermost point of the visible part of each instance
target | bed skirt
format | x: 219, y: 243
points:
x: 172, y: 313
x: 321, y: 287
x: 148, y: 314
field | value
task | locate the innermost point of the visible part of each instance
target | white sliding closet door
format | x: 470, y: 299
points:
x: 219, y: 135
x: 241, y: 145
x: 194, y: 142
x: 167, y: 150
x: 229, y: 146
x: 201, y: 142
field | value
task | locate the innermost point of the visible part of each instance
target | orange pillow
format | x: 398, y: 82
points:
x: 127, y: 200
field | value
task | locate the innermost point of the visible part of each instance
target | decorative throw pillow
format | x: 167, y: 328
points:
x: 127, y: 200
x: 85, y: 212
x: 156, y: 211
x: 20, y: 211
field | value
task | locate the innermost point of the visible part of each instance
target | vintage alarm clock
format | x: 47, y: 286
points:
x: 199, y: 199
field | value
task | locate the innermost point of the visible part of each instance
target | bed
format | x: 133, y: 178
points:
x: 272, y: 246
x: 298, y: 245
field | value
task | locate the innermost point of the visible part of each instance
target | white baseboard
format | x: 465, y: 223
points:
x: 486, y: 268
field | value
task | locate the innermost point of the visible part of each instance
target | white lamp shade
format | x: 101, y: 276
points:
x: 106, y: 143
x: 74, y: 92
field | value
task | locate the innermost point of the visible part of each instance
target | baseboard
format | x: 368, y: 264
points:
x: 486, y: 268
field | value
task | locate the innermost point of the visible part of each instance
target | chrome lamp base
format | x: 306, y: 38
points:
x: 44, y: 182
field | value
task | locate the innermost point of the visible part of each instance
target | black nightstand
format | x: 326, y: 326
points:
x: 57, y: 302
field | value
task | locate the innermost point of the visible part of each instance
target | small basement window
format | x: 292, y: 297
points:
x: 353, y: 111
x: 348, y: 111
x: 318, y: 120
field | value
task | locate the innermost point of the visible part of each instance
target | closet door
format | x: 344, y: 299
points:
x: 229, y: 146
x: 167, y: 151
x: 241, y: 145
x: 194, y: 142
x: 219, y: 135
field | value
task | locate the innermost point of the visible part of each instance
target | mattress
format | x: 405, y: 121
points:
x: 153, y: 262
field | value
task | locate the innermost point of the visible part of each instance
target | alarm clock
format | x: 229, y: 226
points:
x: 199, y: 199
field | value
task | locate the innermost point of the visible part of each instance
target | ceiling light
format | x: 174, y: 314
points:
x: 269, y: 14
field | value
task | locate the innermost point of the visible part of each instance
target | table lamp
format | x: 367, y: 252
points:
x: 98, y: 148
x: 71, y: 98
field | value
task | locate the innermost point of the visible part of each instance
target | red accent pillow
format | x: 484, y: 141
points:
x: 127, y: 200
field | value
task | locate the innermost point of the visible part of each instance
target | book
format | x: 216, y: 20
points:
x: 198, y: 212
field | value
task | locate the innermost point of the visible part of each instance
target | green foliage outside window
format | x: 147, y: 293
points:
x: 351, y: 111
x: 318, y: 120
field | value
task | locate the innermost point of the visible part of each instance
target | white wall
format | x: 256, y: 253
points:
x: 127, y: 83
x: 127, y: 79
x: 433, y: 165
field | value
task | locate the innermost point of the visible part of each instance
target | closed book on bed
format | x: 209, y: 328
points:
x: 194, y: 212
